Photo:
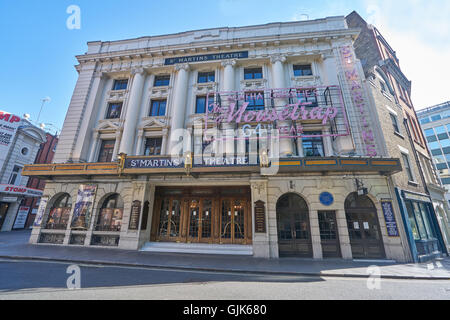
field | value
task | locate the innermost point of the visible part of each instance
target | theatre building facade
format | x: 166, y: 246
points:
x: 255, y: 140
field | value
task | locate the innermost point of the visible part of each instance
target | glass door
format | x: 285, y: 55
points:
x: 169, y: 220
x: 329, y: 234
x: 200, y: 216
x: 3, y: 211
x: 234, y: 221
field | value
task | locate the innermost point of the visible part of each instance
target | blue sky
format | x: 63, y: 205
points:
x: 38, y: 50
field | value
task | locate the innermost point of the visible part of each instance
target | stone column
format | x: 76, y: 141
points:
x: 228, y: 85
x: 279, y: 83
x: 94, y: 145
x: 140, y: 140
x: 179, y: 102
x: 117, y: 144
x: 80, y: 150
x: 132, y: 112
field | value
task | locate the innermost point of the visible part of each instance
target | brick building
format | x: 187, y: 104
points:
x: 420, y: 194
x: 45, y: 155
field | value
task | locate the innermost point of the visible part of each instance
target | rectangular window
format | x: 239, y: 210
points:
x: 200, y: 104
x: 153, y: 146
x: 407, y: 167
x: 302, y: 70
x: 204, y: 77
x: 106, y: 150
x: 253, y: 73
x: 394, y: 122
x: 14, y: 179
x: 412, y: 220
x: 255, y: 100
x: 161, y: 81
x: 425, y: 121
x: 114, y: 110
x: 120, y: 84
x: 313, y: 146
x: 158, y: 108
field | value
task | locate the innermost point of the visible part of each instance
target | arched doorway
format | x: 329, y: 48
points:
x: 363, y: 227
x: 294, y: 232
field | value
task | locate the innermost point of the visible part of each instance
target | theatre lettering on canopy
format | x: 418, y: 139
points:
x: 255, y: 140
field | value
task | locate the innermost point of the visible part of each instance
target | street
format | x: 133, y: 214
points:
x: 48, y: 280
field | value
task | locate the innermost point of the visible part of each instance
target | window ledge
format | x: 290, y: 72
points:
x: 386, y: 95
x: 413, y: 183
x: 398, y: 134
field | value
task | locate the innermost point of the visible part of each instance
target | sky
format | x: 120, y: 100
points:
x: 37, y: 55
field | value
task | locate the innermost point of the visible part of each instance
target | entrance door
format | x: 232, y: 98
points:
x: 329, y: 234
x: 363, y: 227
x: 200, y: 215
x: 3, y: 211
x: 169, y: 219
x: 294, y: 235
x: 233, y: 221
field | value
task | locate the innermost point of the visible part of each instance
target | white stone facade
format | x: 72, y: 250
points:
x: 275, y: 48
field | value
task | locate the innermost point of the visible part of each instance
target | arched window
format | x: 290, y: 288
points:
x: 60, y: 212
x: 111, y: 212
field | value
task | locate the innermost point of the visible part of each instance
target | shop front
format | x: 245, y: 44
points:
x: 424, y: 234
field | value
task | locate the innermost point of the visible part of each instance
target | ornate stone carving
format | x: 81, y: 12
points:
x: 230, y: 62
x: 182, y: 66
x: 138, y: 70
x: 277, y: 58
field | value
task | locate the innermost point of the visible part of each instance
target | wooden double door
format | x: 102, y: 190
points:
x: 202, y: 220
x: 294, y: 233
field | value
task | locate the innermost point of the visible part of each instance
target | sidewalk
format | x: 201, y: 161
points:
x: 14, y: 245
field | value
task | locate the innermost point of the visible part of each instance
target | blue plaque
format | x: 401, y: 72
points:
x: 326, y: 198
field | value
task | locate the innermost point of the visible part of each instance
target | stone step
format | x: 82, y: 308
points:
x: 202, y: 248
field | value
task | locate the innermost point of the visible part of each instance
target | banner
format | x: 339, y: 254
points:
x: 9, y: 124
x: 21, y: 218
x: 82, y: 210
x: 40, y: 212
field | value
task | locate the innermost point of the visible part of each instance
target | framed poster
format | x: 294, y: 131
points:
x: 391, y: 223
x: 83, y: 205
x: 40, y: 212
x: 21, y: 217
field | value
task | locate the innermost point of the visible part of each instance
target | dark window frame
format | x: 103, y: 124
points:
x: 407, y: 165
x: 158, y: 110
x: 109, y: 114
x: 161, y: 81
x: 208, y: 75
x: 105, y: 157
x: 203, y: 98
x: 302, y: 68
x: 119, y: 84
x: 155, y: 146
x: 253, y: 72
x: 315, y: 141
